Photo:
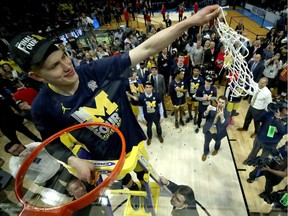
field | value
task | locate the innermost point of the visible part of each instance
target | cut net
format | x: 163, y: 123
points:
x: 239, y: 73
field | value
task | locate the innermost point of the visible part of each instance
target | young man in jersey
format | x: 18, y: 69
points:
x: 205, y: 95
x: 94, y: 92
x: 151, y: 111
x: 178, y: 90
x: 134, y: 89
x: 193, y: 82
x: 159, y: 86
x: 180, y: 63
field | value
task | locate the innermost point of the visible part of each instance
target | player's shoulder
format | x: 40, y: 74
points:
x: 42, y: 99
x: 157, y: 96
x: 213, y: 88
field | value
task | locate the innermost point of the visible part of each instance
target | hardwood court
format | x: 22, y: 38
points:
x: 251, y: 28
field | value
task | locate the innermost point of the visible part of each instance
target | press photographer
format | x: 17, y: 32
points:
x: 274, y: 170
x: 273, y: 128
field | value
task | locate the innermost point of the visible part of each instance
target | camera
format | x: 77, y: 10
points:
x: 274, y: 107
x: 277, y: 155
x: 259, y: 162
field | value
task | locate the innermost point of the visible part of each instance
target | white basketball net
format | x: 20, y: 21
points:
x: 234, y: 61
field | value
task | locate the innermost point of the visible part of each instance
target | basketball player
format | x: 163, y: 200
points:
x: 94, y: 92
x: 193, y: 82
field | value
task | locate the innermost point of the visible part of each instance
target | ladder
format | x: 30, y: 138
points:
x: 152, y: 188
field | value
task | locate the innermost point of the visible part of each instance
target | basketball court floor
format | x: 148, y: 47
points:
x: 219, y: 183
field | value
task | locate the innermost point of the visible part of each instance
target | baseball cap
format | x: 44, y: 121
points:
x: 179, y: 70
x: 208, y: 79
x: 28, y: 48
x: 273, y: 107
x: 148, y: 83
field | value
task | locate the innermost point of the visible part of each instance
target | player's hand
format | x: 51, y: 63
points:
x: 205, y: 15
x: 161, y: 120
x: 145, y: 122
x: 277, y: 114
x: 85, y: 170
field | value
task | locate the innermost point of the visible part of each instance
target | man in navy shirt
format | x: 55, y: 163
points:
x: 178, y: 90
x: 193, y: 82
x: 90, y: 93
x: 151, y: 111
x: 205, y: 95
x: 273, y: 128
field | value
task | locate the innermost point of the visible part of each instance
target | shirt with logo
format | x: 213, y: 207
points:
x: 194, y: 84
x: 100, y: 97
x: 177, y: 97
x: 201, y: 91
x: 150, y: 106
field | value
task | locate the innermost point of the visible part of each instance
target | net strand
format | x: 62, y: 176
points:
x: 239, y: 73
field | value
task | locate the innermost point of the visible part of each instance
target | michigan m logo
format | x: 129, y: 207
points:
x: 104, y: 107
x: 151, y: 104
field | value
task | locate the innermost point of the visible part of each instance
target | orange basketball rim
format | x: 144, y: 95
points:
x: 68, y: 208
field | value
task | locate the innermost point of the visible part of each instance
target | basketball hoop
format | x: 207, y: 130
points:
x: 69, y: 208
x: 234, y: 60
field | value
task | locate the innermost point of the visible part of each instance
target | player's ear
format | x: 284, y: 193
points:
x: 35, y: 76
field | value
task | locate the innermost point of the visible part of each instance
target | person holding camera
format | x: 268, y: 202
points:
x: 274, y: 173
x: 217, y: 120
x: 272, y: 67
x: 271, y: 131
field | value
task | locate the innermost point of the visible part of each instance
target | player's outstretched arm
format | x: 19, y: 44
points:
x: 165, y: 37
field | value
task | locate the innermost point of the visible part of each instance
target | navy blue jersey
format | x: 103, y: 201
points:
x: 134, y: 87
x: 194, y: 84
x: 100, y: 97
x: 201, y: 91
x: 175, y: 67
x: 150, y: 106
x: 178, y: 98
